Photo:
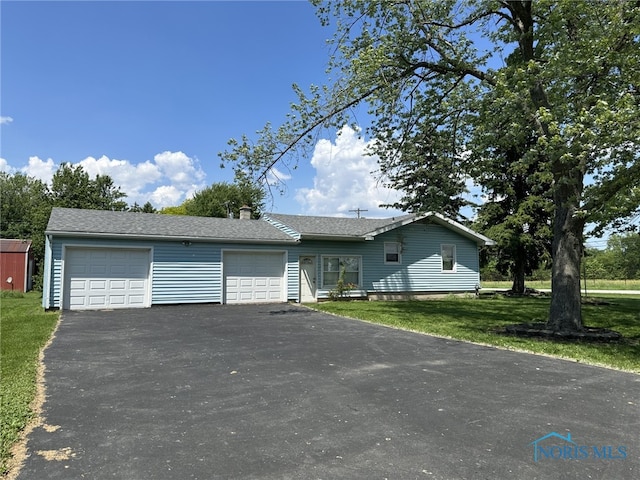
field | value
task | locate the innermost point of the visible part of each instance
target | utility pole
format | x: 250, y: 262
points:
x: 358, y: 210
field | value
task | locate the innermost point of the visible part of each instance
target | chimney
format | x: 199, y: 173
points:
x: 245, y: 212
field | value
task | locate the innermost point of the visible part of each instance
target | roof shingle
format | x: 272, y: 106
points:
x: 108, y: 223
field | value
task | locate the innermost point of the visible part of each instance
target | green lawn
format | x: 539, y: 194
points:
x: 24, y: 329
x: 591, y: 284
x: 476, y: 320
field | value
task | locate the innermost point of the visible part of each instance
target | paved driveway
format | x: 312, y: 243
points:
x: 281, y: 392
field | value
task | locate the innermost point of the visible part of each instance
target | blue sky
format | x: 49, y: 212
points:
x: 149, y: 92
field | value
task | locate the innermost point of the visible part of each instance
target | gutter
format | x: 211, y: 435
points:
x: 170, y: 238
x: 349, y: 238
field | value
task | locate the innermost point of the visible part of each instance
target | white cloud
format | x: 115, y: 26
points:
x: 5, y: 167
x: 131, y: 178
x: 179, y: 168
x: 344, y: 180
x: 167, y: 180
x: 275, y: 176
x: 5, y: 120
x: 166, y: 196
x: 41, y: 169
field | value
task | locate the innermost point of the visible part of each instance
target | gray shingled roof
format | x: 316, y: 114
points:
x: 365, y: 228
x: 334, y: 226
x: 133, y: 224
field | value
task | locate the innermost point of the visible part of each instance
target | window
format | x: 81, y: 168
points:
x: 448, y: 258
x: 391, y: 252
x: 334, y: 267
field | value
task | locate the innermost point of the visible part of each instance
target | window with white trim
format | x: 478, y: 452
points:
x: 392, y: 252
x: 335, y: 266
x: 448, y: 253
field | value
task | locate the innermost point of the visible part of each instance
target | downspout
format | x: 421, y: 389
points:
x: 46, y: 280
x: 26, y: 270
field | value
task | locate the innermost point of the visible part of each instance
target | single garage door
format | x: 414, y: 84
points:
x: 97, y: 278
x: 253, y: 277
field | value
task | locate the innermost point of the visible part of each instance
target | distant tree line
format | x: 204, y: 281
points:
x: 620, y: 260
x: 26, y: 202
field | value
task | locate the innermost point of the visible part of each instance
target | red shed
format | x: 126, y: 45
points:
x: 16, y: 265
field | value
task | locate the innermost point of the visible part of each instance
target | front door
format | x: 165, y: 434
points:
x: 307, y: 279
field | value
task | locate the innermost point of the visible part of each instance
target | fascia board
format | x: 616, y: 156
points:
x: 168, y: 237
x: 441, y: 220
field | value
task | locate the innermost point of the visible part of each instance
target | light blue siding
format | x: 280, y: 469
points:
x: 186, y: 274
x: 193, y: 274
x: 419, y: 271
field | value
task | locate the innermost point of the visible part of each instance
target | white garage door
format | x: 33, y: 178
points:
x: 98, y: 278
x: 254, y: 277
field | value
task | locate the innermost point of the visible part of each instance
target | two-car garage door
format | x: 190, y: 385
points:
x: 97, y: 278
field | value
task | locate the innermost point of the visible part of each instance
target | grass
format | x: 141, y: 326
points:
x: 24, y: 328
x: 591, y: 284
x: 477, y: 320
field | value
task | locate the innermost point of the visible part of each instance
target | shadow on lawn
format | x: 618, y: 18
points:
x: 486, y: 311
x: 492, y: 315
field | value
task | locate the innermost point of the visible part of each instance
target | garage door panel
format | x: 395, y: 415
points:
x: 136, y: 300
x: 116, y: 300
x: 96, y: 268
x: 95, y: 301
x: 97, y: 284
x: 106, y: 278
x: 117, y: 284
x: 118, y: 270
x: 252, y: 277
x: 139, y: 271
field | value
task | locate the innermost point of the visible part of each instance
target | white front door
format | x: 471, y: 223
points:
x: 307, y: 279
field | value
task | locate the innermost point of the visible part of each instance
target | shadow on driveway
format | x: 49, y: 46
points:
x: 282, y: 392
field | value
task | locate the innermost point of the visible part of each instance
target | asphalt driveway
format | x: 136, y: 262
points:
x: 282, y: 392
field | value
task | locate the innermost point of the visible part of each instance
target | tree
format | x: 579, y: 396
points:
x: 576, y: 81
x: 177, y: 210
x: 71, y: 187
x: 225, y: 199
x: 625, y: 253
x: 146, y: 208
x: 25, y: 207
x: 518, y: 206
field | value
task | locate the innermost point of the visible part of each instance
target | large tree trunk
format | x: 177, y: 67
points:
x: 518, y: 270
x: 565, y: 313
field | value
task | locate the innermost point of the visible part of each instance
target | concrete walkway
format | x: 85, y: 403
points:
x: 282, y: 392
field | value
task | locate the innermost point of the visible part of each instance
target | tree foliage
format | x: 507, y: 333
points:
x: 26, y: 203
x: 225, y: 199
x: 71, y: 187
x: 146, y: 208
x: 24, y: 210
x: 431, y: 73
x: 619, y: 261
